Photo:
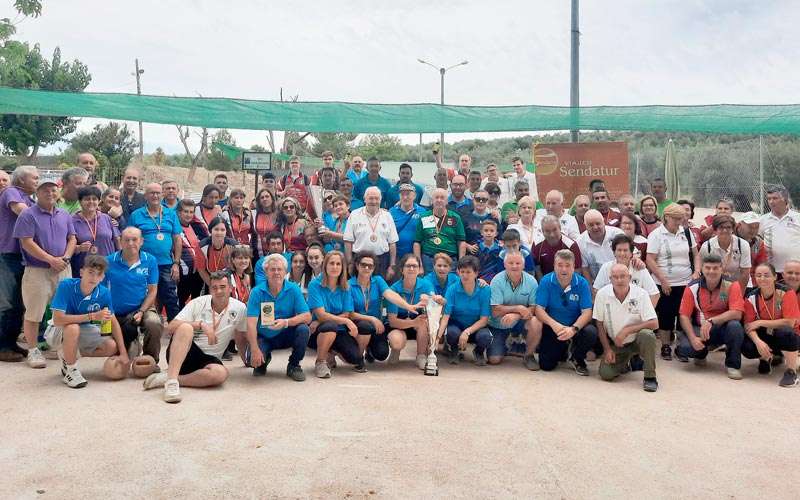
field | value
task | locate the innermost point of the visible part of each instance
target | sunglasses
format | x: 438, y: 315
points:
x: 287, y: 207
x: 481, y: 199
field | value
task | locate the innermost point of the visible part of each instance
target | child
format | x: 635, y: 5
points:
x: 511, y: 241
x: 241, y: 277
x: 489, y: 251
x: 83, y: 318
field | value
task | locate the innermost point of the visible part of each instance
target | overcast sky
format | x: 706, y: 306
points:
x: 632, y: 52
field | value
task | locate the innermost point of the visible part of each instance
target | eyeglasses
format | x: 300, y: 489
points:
x: 481, y: 199
x: 411, y: 266
x: 366, y: 265
x: 287, y: 207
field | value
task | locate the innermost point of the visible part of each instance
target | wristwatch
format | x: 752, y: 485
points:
x: 176, y: 262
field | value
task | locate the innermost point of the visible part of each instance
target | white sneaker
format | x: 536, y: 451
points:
x: 321, y: 369
x: 54, y: 336
x: 394, y: 356
x: 154, y: 380
x: 422, y: 360
x: 172, y: 391
x: 734, y: 373
x: 36, y: 358
x: 74, y: 379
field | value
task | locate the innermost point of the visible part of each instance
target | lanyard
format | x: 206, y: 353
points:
x: 92, y: 231
x: 219, y: 256
x: 160, y: 217
x: 217, y: 319
x: 764, y: 303
x: 242, y: 287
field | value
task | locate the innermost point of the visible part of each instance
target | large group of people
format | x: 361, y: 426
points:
x: 349, y: 269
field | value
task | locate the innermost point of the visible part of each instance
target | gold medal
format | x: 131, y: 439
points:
x: 373, y: 238
x: 93, y: 249
x: 160, y: 236
x: 436, y: 240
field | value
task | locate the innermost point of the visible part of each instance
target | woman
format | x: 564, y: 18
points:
x: 673, y: 259
x: 94, y: 230
x: 648, y: 212
x: 237, y: 217
x: 333, y: 329
x: 630, y: 226
x: 265, y: 221
x: 110, y: 204
x: 466, y: 314
x: 367, y: 291
x: 771, y: 316
x: 240, y: 272
x: 442, y: 275
x: 314, y: 257
x: 688, y: 207
x: 409, y: 325
x: 724, y: 206
x: 526, y: 208
x: 332, y: 229
x: 300, y: 272
x: 494, y: 196
x: 216, y: 250
x: 734, y: 251
x: 292, y: 225
x: 208, y: 208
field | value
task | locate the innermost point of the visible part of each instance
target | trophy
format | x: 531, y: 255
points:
x: 434, y: 313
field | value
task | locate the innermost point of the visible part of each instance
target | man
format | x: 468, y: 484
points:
x: 268, y: 181
x: 473, y: 219
x: 554, y: 205
x: 474, y: 181
x: 170, y: 189
x: 200, y: 334
x: 512, y: 242
x: 328, y: 179
x: 780, y: 228
x: 521, y: 190
x: 277, y: 318
x: 221, y: 181
x: 5, y: 180
x: 520, y: 174
x: 371, y: 229
x: 131, y: 199
x: 564, y: 306
x: 47, y: 237
x: 457, y: 201
x: 791, y: 274
x: 190, y: 283
x: 327, y: 163
x: 440, y: 182
x: 13, y: 200
x: 625, y: 320
x: 710, y: 315
x: 405, y: 215
x: 346, y: 190
x: 372, y: 179
x: 582, y: 205
x: 88, y: 162
x: 295, y: 184
x: 356, y: 171
x: 513, y: 304
x: 504, y: 183
x: 71, y: 181
x: 595, y: 244
x: 464, y: 165
x: 623, y: 248
x: 439, y: 230
x: 544, y: 252
x: 132, y: 278
x: 747, y: 229
x: 602, y: 204
x: 162, y: 239
x: 405, y: 173
x: 658, y: 188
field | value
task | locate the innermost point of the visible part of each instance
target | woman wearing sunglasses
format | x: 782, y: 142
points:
x: 292, y: 225
x: 265, y: 221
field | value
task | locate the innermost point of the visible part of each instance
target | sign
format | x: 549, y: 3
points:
x: 256, y: 161
x: 569, y: 167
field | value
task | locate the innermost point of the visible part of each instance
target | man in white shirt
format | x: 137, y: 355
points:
x: 595, y: 244
x: 622, y: 246
x: 521, y: 174
x: 372, y: 229
x: 200, y: 334
x: 554, y: 205
x: 625, y: 320
x: 780, y: 228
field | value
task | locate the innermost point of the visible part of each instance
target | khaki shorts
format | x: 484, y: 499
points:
x: 38, y: 287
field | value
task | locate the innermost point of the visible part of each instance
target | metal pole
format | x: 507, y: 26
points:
x: 636, y: 182
x: 441, y: 136
x: 139, y: 92
x: 420, y: 147
x: 574, y: 93
x: 761, y: 173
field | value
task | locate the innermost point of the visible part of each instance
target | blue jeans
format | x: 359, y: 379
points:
x: 294, y: 337
x: 731, y: 334
x: 11, y: 308
x: 168, y: 291
x: 499, y: 345
x: 482, y: 338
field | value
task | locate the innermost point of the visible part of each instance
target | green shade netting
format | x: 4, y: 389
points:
x: 400, y: 118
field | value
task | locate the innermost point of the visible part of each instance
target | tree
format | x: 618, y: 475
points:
x: 113, y: 145
x: 24, y: 67
x: 198, y: 159
x: 25, y: 8
x: 338, y: 143
x: 383, y: 147
x: 216, y: 159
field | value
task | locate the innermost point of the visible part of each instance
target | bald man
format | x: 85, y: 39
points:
x: 554, y: 205
x: 595, y: 244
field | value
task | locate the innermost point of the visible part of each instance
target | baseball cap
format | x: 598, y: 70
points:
x: 407, y: 187
x: 750, y: 218
x: 45, y: 183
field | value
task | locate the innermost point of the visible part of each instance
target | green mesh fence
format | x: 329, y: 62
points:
x: 400, y: 118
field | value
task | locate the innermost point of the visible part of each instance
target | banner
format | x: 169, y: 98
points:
x: 569, y: 167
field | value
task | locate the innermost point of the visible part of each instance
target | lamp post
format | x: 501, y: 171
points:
x: 442, y: 70
x: 138, y: 75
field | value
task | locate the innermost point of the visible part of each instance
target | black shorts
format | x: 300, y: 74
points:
x: 195, y: 360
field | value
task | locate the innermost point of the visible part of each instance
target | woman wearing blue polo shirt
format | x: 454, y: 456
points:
x: 367, y: 291
x: 466, y: 313
x: 333, y: 331
x: 442, y: 277
x: 409, y: 325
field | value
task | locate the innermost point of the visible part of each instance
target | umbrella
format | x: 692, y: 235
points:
x: 671, y: 173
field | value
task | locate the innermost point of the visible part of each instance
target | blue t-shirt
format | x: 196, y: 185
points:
x: 564, y: 305
x: 411, y: 296
x: 69, y: 298
x: 330, y: 222
x: 288, y: 303
x: 356, y: 177
x: 258, y: 269
x: 336, y: 301
x: 393, y: 196
x: 503, y: 293
x: 490, y: 261
x: 438, y: 288
x: 128, y: 284
x: 465, y: 309
x: 355, y: 204
x: 459, y: 206
x: 161, y: 249
x: 361, y: 186
x: 377, y: 287
x: 472, y: 225
x: 406, y: 224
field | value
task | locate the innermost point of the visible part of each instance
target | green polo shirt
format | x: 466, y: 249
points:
x: 450, y: 233
x: 663, y: 205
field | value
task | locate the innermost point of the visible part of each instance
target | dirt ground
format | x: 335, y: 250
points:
x: 496, y: 431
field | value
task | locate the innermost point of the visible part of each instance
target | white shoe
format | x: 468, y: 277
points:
x: 394, y: 356
x: 172, y: 391
x: 321, y: 369
x: 734, y: 373
x: 54, y: 336
x: 74, y: 379
x: 422, y: 360
x: 36, y: 359
x: 154, y: 380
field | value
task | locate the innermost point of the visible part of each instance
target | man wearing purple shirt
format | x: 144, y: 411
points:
x: 13, y: 200
x: 47, y: 237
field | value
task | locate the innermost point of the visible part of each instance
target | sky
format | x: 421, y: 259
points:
x: 633, y: 52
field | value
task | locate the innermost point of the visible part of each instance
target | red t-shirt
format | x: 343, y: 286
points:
x: 712, y: 302
x: 545, y: 255
x: 770, y: 309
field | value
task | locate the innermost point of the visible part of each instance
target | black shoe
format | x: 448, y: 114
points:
x: 295, y: 373
x: 777, y: 359
x: 260, y: 371
x: 10, y: 356
x: 368, y: 357
x: 360, y: 367
x: 232, y: 347
x: 580, y: 368
x: 636, y: 363
x: 227, y: 356
x: 666, y: 353
x: 21, y: 350
x: 764, y: 367
x: 650, y: 385
x: 789, y: 379
x: 480, y: 357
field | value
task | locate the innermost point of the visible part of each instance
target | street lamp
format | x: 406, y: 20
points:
x: 139, y: 72
x: 442, y: 70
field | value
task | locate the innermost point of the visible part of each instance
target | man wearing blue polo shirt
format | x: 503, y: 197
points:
x: 405, y: 215
x: 373, y: 178
x: 132, y: 278
x: 404, y: 173
x: 162, y: 231
x: 277, y: 318
x: 564, y: 306
x: 513, y: 311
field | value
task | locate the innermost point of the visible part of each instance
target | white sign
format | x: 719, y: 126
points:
x: 256, y: 161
